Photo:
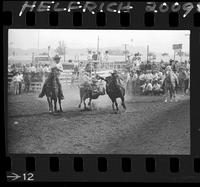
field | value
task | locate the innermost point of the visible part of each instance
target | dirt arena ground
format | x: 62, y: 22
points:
x: 149, y: 126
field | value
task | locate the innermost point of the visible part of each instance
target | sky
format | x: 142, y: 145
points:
x: 158, y: 40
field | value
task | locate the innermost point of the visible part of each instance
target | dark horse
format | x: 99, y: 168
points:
x: 114, y: 91
x: 52, y: 91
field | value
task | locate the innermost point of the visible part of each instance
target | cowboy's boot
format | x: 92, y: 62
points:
x: 43, y: 91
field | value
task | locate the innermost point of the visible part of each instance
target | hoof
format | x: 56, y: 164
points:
x: 116, y: 111
x: 50, y: 112
x: 165, y: 100
x: 79, y: 106
x: 86, y: 109
x: 55, y: 112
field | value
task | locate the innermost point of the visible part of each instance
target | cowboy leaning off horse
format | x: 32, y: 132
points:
x: 56, y: 65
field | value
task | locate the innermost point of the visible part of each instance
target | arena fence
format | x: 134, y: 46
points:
x: 36, y: 86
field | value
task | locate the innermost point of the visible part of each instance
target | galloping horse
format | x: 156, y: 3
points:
x: 170, y: 84
x: 52, y: 91
x: 114, y: 91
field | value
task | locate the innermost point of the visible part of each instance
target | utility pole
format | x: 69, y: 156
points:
x: 174, y: 55
x: 125, y: 52
x: 180, y: 56
x: 147, y: 53
x: 98, y: 48
x: 64, y: 53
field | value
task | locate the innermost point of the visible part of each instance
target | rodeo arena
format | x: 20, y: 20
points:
x: 99, y: 103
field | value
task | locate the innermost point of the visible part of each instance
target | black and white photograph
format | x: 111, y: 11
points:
x: 84, y: 91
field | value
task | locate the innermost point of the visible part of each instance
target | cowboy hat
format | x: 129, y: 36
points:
x: 56, y: 57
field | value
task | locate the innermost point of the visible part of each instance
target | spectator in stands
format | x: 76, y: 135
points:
x: 148, y: 88
x: 32, y: 69
x: 129, y: 82
x: 46, y: 68
x: 154, y: 76
x: 148, y: 65
x: 135, y: 78
x: 143, y: 87
x: 156, y: 89
x: 17, y: 80
x: 27, y: 81
x: 149, y: 75
x: 142, y: 77
x: 20, y: 83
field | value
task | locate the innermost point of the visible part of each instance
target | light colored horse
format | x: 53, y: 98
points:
x: 170, y: 84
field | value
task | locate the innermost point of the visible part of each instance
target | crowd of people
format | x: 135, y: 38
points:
x: 149, y: 82
x: 22, y: 76
x: 140, y: 81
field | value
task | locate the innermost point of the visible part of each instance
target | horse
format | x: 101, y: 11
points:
x: 52, y: 91
x: 86, y: 92
x: 170, y: 85
x: 114, y: 91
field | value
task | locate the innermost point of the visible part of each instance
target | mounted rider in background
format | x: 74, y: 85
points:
x: 173, y: 77
x: 56, y: 65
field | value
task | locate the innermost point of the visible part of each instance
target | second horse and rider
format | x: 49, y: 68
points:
x: 89, y: 89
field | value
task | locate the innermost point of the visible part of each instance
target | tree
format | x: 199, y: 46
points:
x: 61, y: 48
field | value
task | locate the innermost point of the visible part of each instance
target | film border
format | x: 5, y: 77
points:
x: 111, y: 166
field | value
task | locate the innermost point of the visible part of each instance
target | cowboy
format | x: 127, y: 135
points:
x: 17, y: 80
x: 85, y: 79
x: 95, y: 87
x: 169, y: 71
x: 58, y: 66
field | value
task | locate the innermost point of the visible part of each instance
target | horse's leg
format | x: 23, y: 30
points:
x: 171, y: 94
x: 49, y: 103
x: 18, y: 88
x: 84, y: 104
x: 55, y: 104
x: 89, y: 102
x: 113, y: 105
x: 59, y: 100
x: 116, y: 104
x: 166, y: 95
x: 174, y: 95
x: 123, y: 103
x: 79, y: 106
